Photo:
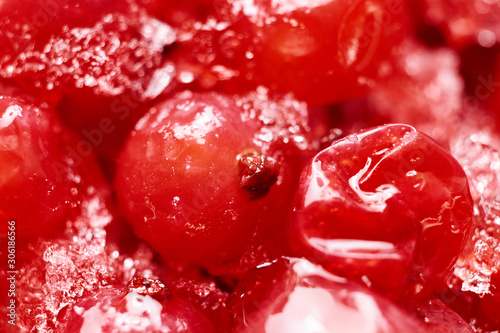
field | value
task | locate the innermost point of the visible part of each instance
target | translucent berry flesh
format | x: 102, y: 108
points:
x: 297, y: 296
x: 388, y: 199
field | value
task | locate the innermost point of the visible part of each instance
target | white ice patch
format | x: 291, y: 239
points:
x: 288, y: 6
x: 143, y: 313
x: 139, y: 305
x: 9, y: 115
x: 315, y: 310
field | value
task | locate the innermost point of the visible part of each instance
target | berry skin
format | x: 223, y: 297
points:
x: 477, y: 280
x: 322, y: 52
x: 387, y: 206
x: 204, y: 177
x: 44, y: 179
x: 292, y: 295
x: 178, y: 14
x: 146, y: 305
x: 97, y: 62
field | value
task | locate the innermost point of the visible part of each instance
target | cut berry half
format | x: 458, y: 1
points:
x: 202, y: 173
x: 298, y: 296
x: 386, y: 206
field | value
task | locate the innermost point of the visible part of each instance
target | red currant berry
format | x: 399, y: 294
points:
x: 387, y: 206
x: 97, y: 61
x: 426, y: 91
x: 29, y: 23
x: 298, y: 296
x: 322, y: 51
x: 146, y: 305
x: 201, y: 173
x: 72, y: 269
x: 47, y: 176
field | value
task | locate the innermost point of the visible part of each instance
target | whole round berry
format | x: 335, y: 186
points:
x: 204, y: 174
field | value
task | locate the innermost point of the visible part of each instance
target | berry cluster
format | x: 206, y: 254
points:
x: 255, y: 166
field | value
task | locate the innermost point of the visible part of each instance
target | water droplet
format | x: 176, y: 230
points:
x: 411, y: 173
x: 486, y: 38
x: 186, y: 77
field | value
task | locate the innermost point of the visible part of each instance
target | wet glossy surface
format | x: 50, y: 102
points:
x: 439, y: 318
x: 388, y: 199
x: 180, y: 177
x: 94, y: 61
x: 44, y: 180
x: 462, y: 22
x: 298, y: 296
x: 282, y: 45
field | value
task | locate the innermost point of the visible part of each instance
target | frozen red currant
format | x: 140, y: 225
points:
x: 52, y: 46
x: 146, y: 305
x: 97, y: 61
x: 476, y: 272
x: 44, y: 181
x: 204, y: 174
x: 322, y: 51
x: 387, y: 206
x: 27, y: 24
x: 297, y: 296
x: 72, y: 269
x: 463, y: 23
